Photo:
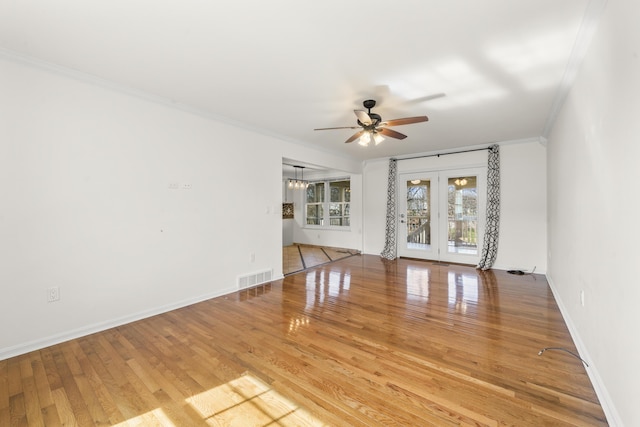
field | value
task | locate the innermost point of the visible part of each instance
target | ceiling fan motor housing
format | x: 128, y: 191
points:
x: 375, y: 120
x: 369, y: 104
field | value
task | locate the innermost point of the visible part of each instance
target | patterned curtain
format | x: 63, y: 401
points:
x: 490, y: 246
x: 389, y: 251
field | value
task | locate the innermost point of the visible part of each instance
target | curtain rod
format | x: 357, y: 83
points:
x: 443, y: 154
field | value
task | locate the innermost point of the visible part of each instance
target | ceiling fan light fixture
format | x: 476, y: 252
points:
x: 365, y: 139
x: 378, y: 138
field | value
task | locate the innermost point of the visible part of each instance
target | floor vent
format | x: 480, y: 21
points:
x: 254, y: 279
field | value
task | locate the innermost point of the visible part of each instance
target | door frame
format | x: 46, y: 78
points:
x: 438, y: 250
x: 402, y: 248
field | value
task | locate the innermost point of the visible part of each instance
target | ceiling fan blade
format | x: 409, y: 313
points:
x: 363, y: 117
x: 354, y: 136
x: 405, y: 121
x: 343, y: 127
x: 391, y: 133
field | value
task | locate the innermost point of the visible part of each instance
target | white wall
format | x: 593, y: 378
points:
x: 523, y: 205
x: 594, y: 232
x: 86, y: 205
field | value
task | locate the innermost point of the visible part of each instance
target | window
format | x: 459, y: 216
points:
x: 328, y: 208
x: 314, y: 203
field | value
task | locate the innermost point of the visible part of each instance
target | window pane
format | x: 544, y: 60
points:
x: 315, y: 192
x: 463, y: 215
x: 335, y: 209
x: 314, y: 214
x: 340, y: 191
x: 335, y: 193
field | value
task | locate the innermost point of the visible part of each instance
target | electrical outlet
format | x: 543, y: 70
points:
x: 53, y: 294
x: 252, y: 257
x: 187, y: 186
x: 174, y: 186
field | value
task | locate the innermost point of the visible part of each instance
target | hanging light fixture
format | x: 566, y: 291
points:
x: 461, y: 182
x: 291, y: 182
x: 296, y: 183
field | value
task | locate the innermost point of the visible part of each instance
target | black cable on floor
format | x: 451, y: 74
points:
x: 565, y: 350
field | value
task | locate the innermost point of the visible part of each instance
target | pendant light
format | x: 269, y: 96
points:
x: 296, y: 183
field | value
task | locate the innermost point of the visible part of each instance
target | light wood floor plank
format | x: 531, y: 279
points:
x: 357, y: 342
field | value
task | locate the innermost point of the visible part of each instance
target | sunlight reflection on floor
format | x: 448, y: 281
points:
x: 245, y: 401
x: 157, y: 417
x: 249, y: 401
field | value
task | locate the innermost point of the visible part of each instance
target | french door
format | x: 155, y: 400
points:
x: 441, y: 215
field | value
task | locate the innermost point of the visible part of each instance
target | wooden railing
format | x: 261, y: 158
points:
x: 422, y: 234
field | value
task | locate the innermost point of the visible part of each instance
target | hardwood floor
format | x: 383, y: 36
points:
x: 358, y: 342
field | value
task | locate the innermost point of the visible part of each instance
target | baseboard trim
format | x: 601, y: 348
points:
x: 613, y: 418
x: 17, y: 350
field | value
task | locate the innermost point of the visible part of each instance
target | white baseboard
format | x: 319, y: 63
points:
x: 27, y: 347
x: 598, y: 385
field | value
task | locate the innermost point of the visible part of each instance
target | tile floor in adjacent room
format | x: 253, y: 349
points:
x: 298, y: 257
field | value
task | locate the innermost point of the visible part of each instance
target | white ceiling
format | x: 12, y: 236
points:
x: 285, y: 67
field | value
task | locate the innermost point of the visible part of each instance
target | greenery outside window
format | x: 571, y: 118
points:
x: 314, y: 203
x: 328, y: 208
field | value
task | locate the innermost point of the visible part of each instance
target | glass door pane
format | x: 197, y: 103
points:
x: 417, y: 219
x: 462, y: 214
x: 418, y: 214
